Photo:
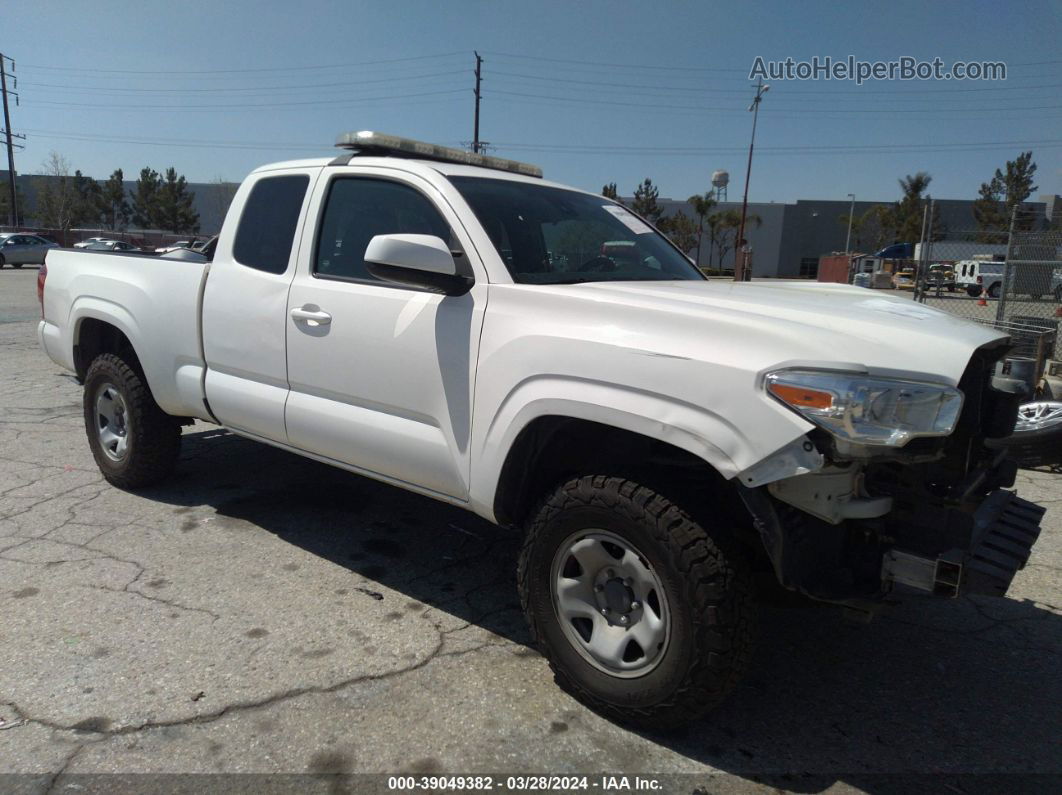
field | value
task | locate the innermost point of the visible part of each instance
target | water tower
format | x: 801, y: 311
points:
x: 720, y: 179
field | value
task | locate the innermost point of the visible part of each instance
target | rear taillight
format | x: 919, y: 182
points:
x: 42, y: 274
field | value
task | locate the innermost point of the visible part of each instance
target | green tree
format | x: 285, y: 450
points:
x: 175, y: 210
x: 645, y: 196
x: 724, y: 228
x: 702, y: 208
x: 609, y: 192
x: 5, y: 200
x: 146, y: 199
x: 681, y: 230
x: 89, y: 200
x: 115, y: 210
x: 877, y: 227
x: 57, y: 200
x: 997, y: 198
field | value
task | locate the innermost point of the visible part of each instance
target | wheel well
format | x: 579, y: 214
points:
x: 96, y: 337
x: 553, y: 450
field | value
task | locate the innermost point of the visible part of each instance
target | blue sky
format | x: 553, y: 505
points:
x: 593, y: 92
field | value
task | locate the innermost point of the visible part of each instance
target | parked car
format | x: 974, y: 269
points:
x: 940, y: 275
x: 90, y: 241
x: 18, y: 249
x: 904, y: 279
x: 360, y: 310
x: 111, y: 245
x: 174, y: 246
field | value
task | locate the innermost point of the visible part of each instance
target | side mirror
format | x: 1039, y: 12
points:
x: 423, y: 261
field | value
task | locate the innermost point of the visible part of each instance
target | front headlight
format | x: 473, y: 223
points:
x: 865, y: 410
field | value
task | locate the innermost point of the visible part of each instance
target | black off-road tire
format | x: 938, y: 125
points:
x: 994, y: 290
x: 154, y: 436
x: 708, y: 585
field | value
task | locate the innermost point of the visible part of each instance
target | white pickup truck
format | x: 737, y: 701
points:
x: 455, y: 325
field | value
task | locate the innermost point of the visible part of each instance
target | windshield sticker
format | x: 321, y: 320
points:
x: 632, y: 222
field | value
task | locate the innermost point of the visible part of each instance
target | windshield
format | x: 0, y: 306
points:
x: 550, y: 235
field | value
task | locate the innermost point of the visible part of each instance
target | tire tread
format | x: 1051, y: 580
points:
x: 716, y: 582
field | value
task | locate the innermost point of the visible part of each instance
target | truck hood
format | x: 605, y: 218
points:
x: 811, y: 321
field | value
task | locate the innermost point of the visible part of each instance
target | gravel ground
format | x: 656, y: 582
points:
x: 263, y: 614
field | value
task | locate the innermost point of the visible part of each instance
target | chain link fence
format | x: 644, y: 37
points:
x: 1012, y: 281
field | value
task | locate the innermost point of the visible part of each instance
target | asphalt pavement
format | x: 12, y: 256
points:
x: 264, y: 614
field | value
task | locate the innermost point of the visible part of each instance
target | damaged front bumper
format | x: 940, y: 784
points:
x: 935, y: 516
x: 1005, y: 529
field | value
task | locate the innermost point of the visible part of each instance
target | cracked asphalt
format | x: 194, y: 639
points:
x: 261, y: 613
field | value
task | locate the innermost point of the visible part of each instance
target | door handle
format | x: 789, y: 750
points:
x: 311, y: 316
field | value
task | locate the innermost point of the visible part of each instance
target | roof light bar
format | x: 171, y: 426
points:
x: 368, y: 140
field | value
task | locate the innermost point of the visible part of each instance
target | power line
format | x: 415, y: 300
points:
x: 345, y: 83
x: 576, y: 148
x: 564, y: 81
x: 802, y: 109
x: 240, y: 106
x: 171, y: 72
x: 724, y: 149
x: 618, y: 65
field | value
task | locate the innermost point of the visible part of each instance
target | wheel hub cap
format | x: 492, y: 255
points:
x: 112, y: 422
x: 617, y: 596
x: 610, y: 603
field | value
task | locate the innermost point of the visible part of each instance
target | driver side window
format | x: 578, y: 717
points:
x: 359, y: 208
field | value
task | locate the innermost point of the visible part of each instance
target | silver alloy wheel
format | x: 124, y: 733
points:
x: 112, y: 422
x: 610, y: 603
x: 1038, y: 415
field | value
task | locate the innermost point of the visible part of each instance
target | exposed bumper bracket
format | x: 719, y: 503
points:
x: 1005, y: 529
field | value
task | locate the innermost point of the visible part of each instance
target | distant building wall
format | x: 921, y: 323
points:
x: 792, y: 236
x: 209, y: 201
x: 787, y: 243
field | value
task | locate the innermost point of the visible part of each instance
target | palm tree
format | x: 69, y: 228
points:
x: 702, y: 206
x: 910, y: 206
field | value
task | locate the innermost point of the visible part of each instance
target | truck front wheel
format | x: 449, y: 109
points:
x: 642, y: 613
x: 134, y: 442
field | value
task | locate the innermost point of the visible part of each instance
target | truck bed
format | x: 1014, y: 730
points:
x: 155, y: 302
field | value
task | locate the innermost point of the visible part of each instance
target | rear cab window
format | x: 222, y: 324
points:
x: 267, y: 226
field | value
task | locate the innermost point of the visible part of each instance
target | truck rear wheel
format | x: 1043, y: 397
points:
x: 643, y: 615
x: 134, y: 442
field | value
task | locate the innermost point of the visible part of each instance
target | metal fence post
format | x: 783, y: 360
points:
x: 1008, y: 268
x: 919, y: 288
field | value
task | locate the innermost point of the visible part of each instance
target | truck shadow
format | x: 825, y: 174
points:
x: 949, y: 688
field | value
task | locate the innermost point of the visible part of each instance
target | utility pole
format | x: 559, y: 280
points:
x: 12, y: 209
x: 479, y: 77
x: 848, y: 237
x: 739, y: 266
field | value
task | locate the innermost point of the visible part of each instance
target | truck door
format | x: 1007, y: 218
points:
x: 245, y: 303
x: 381, y: 375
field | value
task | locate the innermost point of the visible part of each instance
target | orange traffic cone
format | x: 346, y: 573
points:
x: 981, y: 301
